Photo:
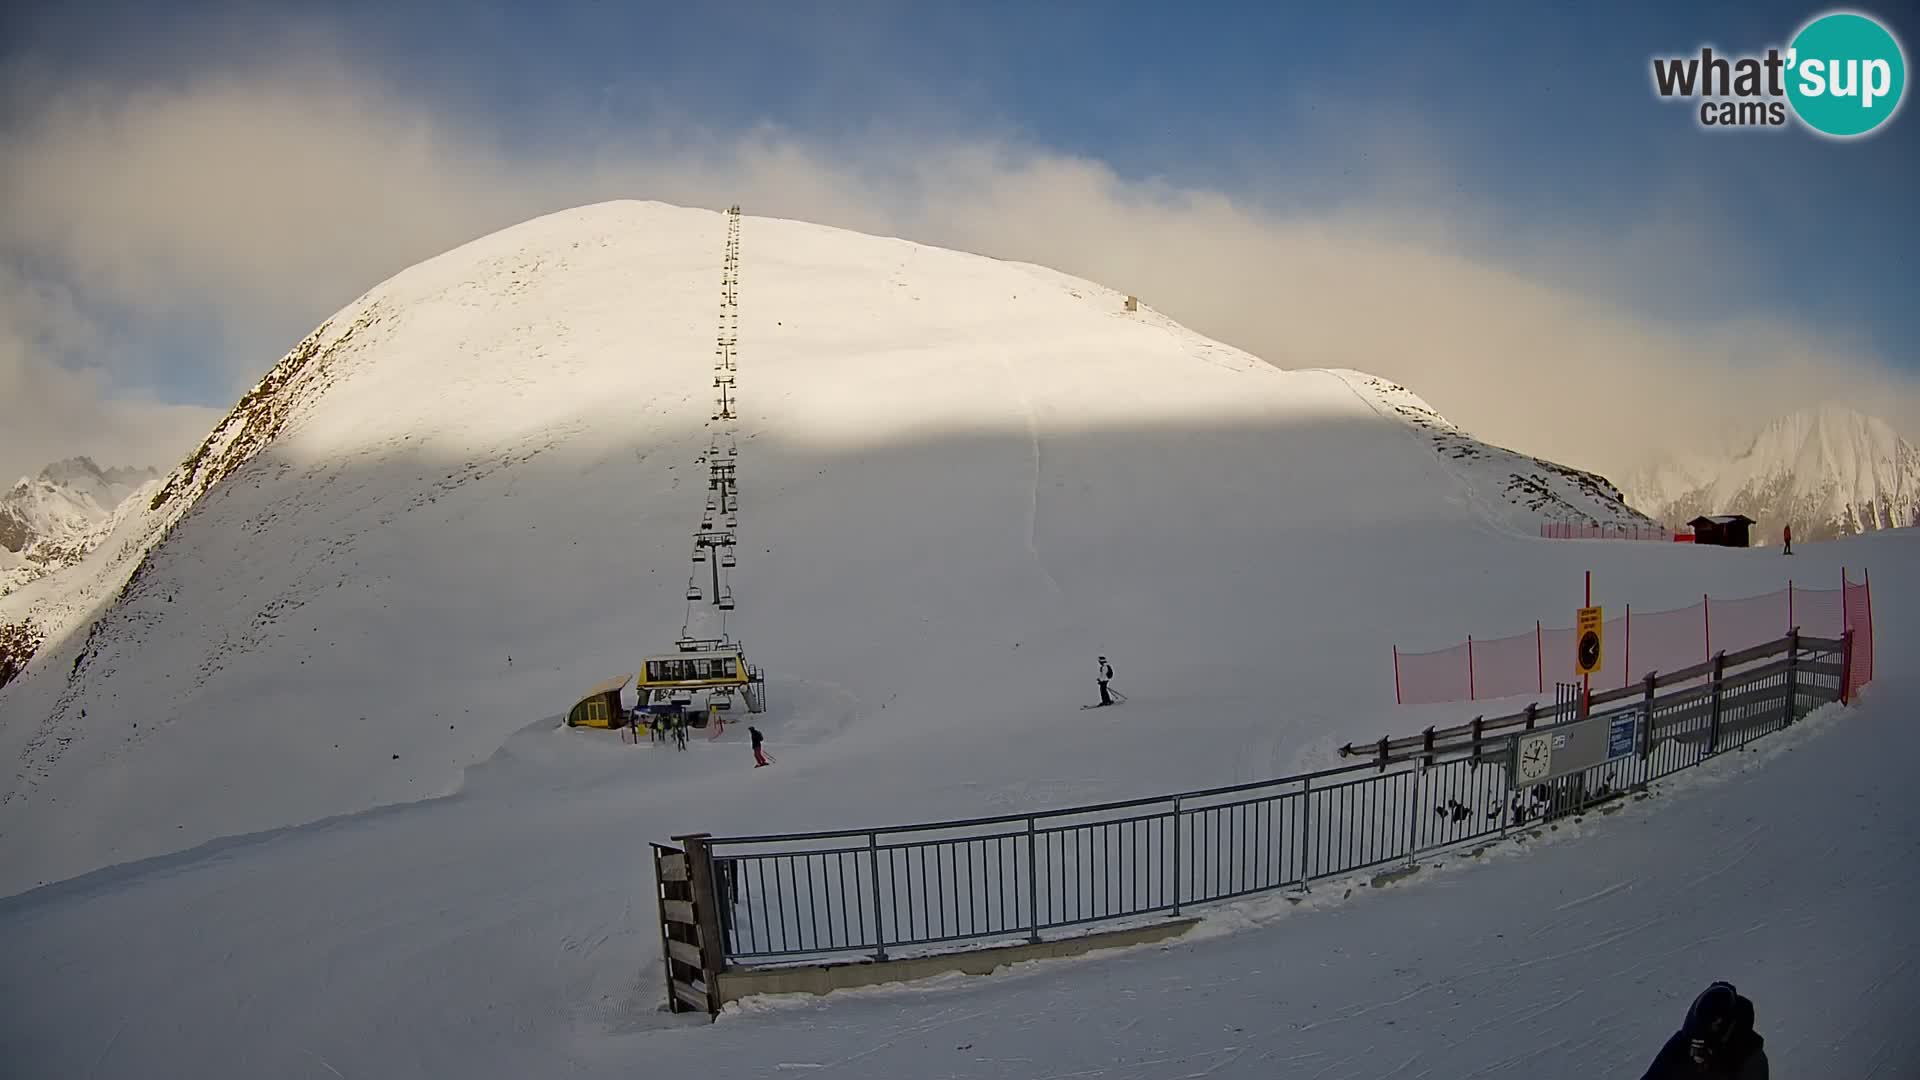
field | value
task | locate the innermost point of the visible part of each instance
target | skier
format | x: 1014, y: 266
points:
x: 759, y: 755
x: 680, y: 730
x: 1717, y: 1040
x: 1106, y: 674
x: 1786, y: 538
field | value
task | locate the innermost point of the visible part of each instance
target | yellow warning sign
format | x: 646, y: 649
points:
x: 1587, y: 639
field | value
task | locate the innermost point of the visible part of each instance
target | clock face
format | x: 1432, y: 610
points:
x: 1535, y: 758
x: 1589, y: 651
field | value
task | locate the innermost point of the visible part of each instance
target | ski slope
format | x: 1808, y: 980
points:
x: 470, y: 497
x: 294, y: 811
x: 505, y: 932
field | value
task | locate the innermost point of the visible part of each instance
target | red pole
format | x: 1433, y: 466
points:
x: 1396, y: 675
x: 1470, y: 688
x: 1586, y: 681
x: 1539, y: 662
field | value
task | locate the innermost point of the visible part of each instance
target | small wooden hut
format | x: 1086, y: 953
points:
x: 1722, y: 530
x: 601, y: 706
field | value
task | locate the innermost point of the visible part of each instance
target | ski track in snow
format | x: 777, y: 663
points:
x: 1033, y: 494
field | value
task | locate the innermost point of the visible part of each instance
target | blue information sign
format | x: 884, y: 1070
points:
x: 1620, y: 736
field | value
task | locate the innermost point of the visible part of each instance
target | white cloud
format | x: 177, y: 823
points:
x: 267, y: 200
x: 49, y: 411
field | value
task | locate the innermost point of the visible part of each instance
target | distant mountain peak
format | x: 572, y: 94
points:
x: 53, y: 519
x: 1827, y: 469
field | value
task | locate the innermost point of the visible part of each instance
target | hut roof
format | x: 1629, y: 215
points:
x: 613, y: 685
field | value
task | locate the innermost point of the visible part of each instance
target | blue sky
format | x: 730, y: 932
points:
x: 1532, y: 126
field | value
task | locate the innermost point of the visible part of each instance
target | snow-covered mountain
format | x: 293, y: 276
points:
x: 497, y: 454
x: 51, y: 521
x: 467, y: 498
x: 1828, y: 471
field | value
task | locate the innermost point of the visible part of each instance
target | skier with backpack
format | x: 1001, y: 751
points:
x: 1105, y: 676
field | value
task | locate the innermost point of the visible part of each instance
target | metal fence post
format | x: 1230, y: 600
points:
x: 1033, y: 885
x: 873, y: 870
x: 1176, y: 854
x: 1413, y: 814
x: 1306, y: 828
x: 1713, y: 725
x: 1645, y: 734
x: 1793, y: 674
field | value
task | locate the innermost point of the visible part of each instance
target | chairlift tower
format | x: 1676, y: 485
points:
x: 709, y: 538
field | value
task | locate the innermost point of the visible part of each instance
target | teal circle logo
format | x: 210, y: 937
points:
x: 1845, y: 74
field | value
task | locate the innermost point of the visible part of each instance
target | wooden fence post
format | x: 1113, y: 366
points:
x: 706, y: 912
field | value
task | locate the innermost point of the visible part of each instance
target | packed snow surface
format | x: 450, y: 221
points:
x: 508, y: 932
x: 314, y: 821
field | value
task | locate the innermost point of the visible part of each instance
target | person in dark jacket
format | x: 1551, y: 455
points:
x: 759, y: 755
x: 1106, y: 675
x: 1715, y: 1042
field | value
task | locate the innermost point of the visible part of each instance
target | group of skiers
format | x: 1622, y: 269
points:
x: 669, y: 726
x: 672, y: 726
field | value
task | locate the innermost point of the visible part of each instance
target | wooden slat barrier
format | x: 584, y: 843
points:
x: 1468, y: 735
x: 690, y: 946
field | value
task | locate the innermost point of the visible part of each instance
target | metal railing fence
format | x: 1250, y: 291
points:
x: 833, y: 895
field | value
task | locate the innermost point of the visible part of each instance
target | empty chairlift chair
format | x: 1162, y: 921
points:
x: 693, y: 591
x: 726, y: 557
x: 726, y: 599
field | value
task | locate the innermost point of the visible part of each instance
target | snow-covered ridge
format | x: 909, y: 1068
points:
x: 1533, y: 488
x: 1828, y: 471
